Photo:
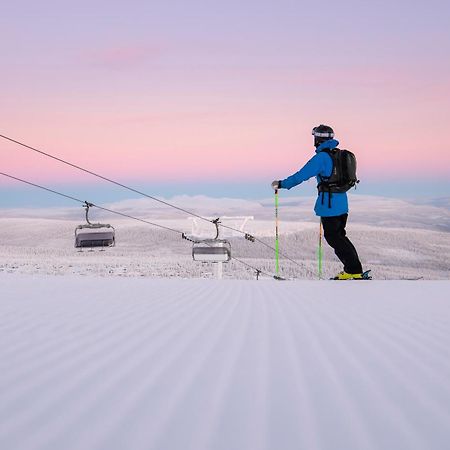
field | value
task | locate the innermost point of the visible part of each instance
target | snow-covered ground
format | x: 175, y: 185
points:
x: 395, y: 238
x: 138, y: 363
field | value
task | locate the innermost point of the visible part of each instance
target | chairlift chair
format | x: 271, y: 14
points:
x: 212, y: 250
x: 92, y: 235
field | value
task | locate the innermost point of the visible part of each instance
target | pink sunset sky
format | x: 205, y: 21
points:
x: 224, y: 92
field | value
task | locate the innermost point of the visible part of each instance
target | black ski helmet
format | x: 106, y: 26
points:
x: 321, y: 134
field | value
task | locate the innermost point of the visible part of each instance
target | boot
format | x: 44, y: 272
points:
x: 348, y: 276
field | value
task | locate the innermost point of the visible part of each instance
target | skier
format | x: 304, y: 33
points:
x: 331, y: 207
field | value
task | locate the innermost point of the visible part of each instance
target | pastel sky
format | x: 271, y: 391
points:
x: 180, y: 96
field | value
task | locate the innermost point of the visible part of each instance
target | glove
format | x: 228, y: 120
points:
x: 276, y: 185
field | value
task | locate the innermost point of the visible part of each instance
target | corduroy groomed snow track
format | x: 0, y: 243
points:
x: 111, y: 363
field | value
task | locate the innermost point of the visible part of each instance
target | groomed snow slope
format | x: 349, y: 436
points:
x: 127, y: 363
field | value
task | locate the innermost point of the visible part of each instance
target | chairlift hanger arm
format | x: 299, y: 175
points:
x: 87, y: 205
x: 216, y: 222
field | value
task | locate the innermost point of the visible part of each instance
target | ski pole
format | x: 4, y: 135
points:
x: 320, y: 251
x: 277, y: 260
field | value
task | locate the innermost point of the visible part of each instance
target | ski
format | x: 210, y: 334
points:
x: 411, y: 278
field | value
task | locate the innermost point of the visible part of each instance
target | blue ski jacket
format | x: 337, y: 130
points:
x: 320, y: 164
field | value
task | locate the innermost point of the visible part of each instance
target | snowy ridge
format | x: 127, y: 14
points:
x: 433, y: 214
x: 394, y: 238
x: 33, y: 246
x: 97, y: 363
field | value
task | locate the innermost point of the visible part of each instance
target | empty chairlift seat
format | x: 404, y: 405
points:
x: 212, y: 250
x: 94, y: 235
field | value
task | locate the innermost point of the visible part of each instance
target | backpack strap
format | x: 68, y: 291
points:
x: 322, y: 194
x: 330, y: 152
x: 323, y: 180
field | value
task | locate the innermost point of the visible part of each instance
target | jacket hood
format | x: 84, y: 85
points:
x: 331, y: 143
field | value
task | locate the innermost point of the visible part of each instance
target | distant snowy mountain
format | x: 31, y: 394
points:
x: 369, y: 210
x: 441, y: 202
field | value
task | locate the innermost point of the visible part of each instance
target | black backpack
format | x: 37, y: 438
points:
x: 343, y: 176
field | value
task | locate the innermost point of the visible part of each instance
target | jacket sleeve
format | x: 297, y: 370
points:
x: 311, y: 169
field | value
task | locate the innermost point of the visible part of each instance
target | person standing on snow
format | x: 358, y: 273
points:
x: 331, y: 207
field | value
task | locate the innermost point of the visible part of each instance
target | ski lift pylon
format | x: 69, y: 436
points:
x: 212, y: 250
x: 94, y: 234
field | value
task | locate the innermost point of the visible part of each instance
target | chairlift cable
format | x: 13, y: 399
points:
x: 260, y: 241
x: 42, y: 187
x: 257, y: 271
x: 101, y: 177
x: 91, y: 204
x: 83, y: 202
x: 109, y: 180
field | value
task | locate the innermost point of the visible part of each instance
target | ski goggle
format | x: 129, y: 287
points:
x: 328, y: 134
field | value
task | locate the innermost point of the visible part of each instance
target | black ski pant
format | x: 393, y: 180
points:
x: 335, y: 235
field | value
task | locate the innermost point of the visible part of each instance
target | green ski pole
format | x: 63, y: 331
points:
x: 320, y: 251
x: 277, y: 259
